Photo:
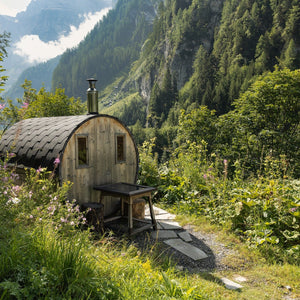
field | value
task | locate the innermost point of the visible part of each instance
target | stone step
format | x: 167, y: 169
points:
x: 185, y: 236
x: 163, y: 234
x: 169, y: 225
x: 230, y: 285
x: 187, y: 249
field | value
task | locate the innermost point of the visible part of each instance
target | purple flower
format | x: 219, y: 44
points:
x: 205, y: 176
x: 293, y: 209
x: 57, y: 161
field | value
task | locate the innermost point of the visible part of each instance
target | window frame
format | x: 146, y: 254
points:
x: 117, y: 136
x: 78, y: 164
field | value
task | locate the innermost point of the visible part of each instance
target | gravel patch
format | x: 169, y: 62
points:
x: 206, y: 242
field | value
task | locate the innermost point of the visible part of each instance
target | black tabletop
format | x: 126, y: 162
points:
x: 125, y: 189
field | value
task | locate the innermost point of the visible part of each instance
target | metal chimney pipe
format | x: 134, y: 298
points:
x: 92, y: 97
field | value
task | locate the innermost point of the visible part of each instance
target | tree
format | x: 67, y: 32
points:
x: 47, y: 104
x: 196, y: 126
x: 40, y: 104
x: 267, y: 118
x: 4, y: 42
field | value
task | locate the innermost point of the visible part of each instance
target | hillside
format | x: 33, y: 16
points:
x: 44, y: 22
x: 109, y: 50
x: 199, y: 52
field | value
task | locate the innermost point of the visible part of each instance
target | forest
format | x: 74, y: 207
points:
x: 210, y: 91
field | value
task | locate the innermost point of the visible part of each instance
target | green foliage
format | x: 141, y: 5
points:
x: 263, y: 211
x: 46, y: 104
x: 40, y: 104
x: 4, y: 43
x: 267, y: 118
x: 44, y: 255
x: 108, y: 50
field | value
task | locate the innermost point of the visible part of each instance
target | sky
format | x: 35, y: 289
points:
x: 36, y: 51
x: 12, y: 7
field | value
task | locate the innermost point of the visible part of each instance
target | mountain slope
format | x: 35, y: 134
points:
x: 109, y: 50
x: 47, y: 20
x: 200, y: 52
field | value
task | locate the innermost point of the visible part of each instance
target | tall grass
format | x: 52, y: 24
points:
x: 45, y: 254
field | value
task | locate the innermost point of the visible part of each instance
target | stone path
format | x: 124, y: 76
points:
x: 168, y: 232
x: 181, y: 241
x: 191, y: 250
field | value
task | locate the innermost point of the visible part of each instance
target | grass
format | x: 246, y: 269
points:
x: 44, y: 256
x: 263, y: 280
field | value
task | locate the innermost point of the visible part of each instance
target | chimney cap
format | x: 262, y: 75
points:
x: 91, y: 79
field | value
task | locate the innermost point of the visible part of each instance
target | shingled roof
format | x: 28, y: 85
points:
x: 38, y: 142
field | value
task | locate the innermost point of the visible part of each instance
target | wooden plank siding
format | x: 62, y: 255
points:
x: 103, y: 167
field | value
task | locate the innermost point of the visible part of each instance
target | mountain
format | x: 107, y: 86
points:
x: 47, y: 21
x: 40, y: 75
x: 109, y: 50
x: 198, y: 52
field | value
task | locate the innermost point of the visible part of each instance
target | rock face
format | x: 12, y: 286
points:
x: 180, y: 57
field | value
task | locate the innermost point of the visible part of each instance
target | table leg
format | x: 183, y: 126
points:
x: 130, y: 222
x: 152, y: 214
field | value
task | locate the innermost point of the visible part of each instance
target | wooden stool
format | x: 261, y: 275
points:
x: 95, y: 215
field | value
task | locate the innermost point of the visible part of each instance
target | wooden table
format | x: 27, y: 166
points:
x: 128, y: 193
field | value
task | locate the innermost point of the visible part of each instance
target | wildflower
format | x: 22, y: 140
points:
x: 205, y: 176
x: 14, y: 200
x: 25, y: 105
x: 31, y: 216
x: 225, y: 162
x: 39, y: 170
x: 2, y: 106
x: 30, y: 194
x: 16, y: 188
x: 57, y: 161
x: 72, y: 223
x: 293, y: 209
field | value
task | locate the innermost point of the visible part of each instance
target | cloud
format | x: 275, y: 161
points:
x: 11, y: 8
x: 35, y: 51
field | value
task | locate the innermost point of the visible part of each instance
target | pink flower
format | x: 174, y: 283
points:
x: 2, y: 106
x: 39, y: 170
x: 225, y: 162
x: 57, y: 161
x: 25, y: 105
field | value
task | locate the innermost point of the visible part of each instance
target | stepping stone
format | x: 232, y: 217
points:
x: 231, y: 285
x: 160, y: 214
x: 163, y: 234
x: 240, y: 278
x: 185, y: 236
x: 187, y: 249
x: 169, y: 225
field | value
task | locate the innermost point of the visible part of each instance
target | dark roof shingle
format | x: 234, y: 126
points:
x: 38, y: 142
